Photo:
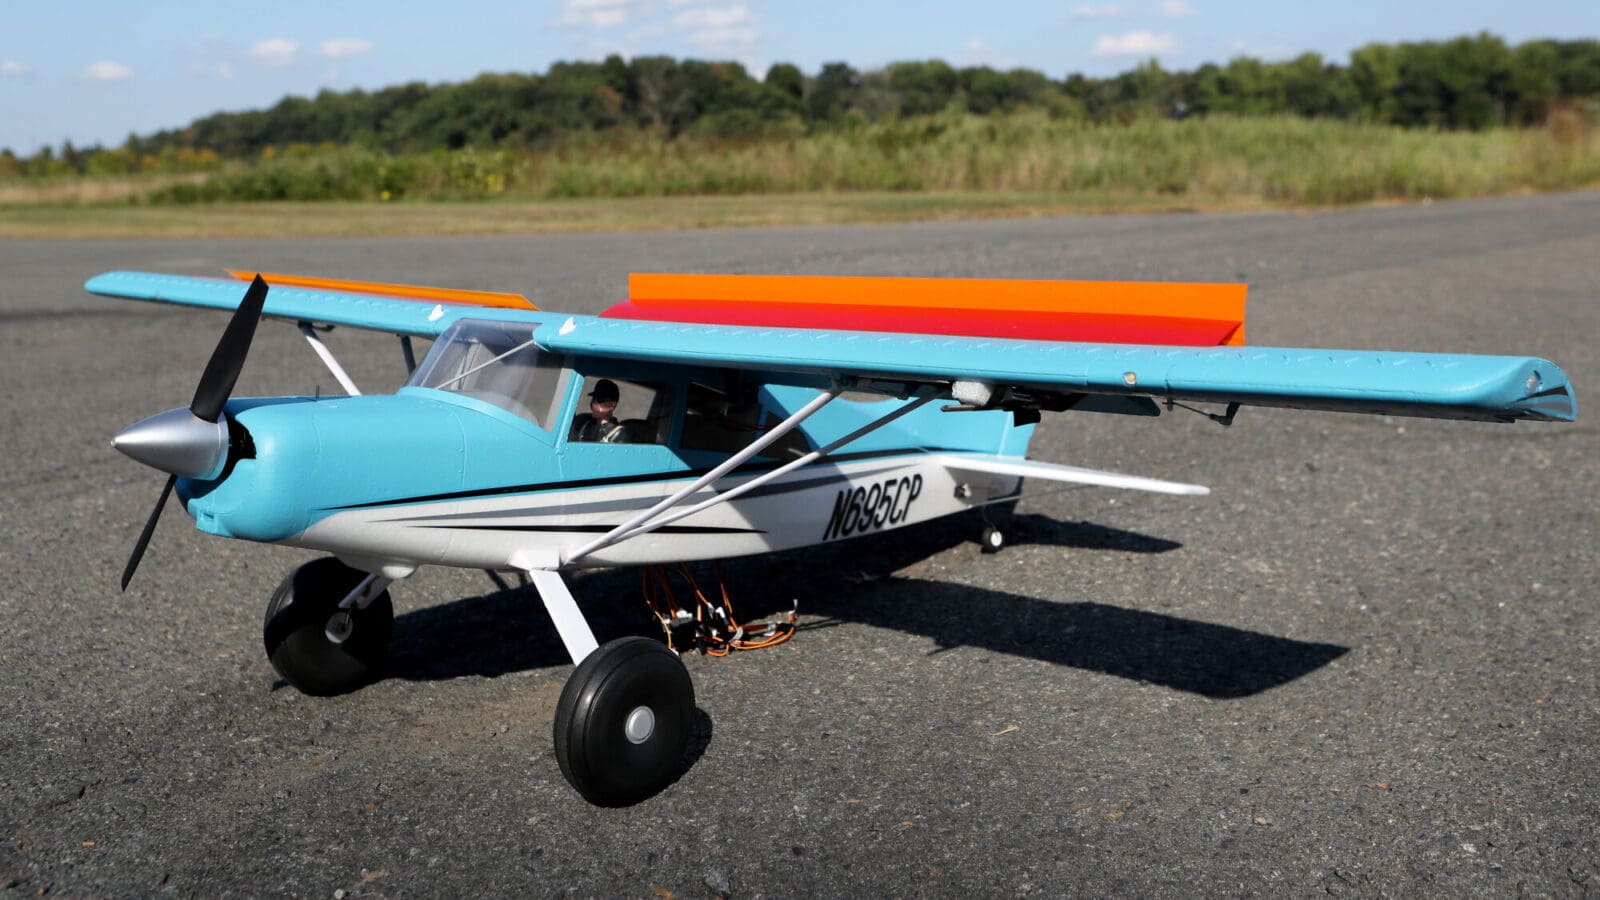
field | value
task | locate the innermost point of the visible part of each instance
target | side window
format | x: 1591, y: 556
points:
x: 622, y: 411
x: 496, y: 362
x: 726, y: 416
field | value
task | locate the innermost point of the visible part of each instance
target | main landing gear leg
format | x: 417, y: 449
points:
x: 624, y: 719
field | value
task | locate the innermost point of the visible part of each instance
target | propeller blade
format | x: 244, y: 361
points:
x: 144, y: 536
x: 222, y: 372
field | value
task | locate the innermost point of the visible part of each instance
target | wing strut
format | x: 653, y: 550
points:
x: 711, y: 477
x: 786, y: 468
x: 411, y: 356
x: 310, y: 331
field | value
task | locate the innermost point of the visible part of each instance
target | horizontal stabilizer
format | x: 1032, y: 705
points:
x: 1027, y: 468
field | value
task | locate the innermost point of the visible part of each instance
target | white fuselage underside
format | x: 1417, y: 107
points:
x: 815, y: 504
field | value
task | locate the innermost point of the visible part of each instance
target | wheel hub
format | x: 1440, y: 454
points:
x: 640, y: 725
x: 339, y: 627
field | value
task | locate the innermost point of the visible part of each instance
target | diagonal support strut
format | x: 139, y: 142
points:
x: 711, y: 477
x: 815, y: 455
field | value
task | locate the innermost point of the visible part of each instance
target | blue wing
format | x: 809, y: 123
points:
x: 397, y: 315
x: 1438, y: 385
x: 1455, y: 386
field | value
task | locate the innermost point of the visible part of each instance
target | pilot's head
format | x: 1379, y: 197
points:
x: 603, y: 399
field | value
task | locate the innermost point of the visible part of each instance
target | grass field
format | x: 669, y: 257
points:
x: 344, y: 219
x: 955, y: 166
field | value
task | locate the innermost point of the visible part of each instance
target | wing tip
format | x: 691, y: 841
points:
x: 1543, y: 393
x: 455, y: 296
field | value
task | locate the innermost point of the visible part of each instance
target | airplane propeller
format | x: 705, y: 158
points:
x: 194, y: 442
x: 222, y: 370
x: 149, y: 529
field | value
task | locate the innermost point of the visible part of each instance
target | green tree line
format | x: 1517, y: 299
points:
x: 1469, y: 83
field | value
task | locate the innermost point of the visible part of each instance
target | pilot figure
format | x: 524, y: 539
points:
x: 599, y: 425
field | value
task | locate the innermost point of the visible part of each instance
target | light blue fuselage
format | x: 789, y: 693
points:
x: 423, y: 449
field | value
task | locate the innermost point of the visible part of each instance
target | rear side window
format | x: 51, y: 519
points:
x: 726, y: 415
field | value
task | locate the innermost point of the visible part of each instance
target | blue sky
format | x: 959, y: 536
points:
x: 93, y: 71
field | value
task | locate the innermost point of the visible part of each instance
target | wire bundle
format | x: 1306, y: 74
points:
x: 711, y: 628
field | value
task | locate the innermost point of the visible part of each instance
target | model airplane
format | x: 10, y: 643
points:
x: 706, y: 417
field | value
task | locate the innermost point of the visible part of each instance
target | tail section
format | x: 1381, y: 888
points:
x: 975, y: 463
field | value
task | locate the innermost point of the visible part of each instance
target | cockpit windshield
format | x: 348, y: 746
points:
x: 498, y: 363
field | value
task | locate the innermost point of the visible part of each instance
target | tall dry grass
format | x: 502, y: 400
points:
x: 1277, y: 160
x: 1214, y: 160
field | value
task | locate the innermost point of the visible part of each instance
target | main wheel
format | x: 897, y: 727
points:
x: 314, y: 645
x: 624, y: 720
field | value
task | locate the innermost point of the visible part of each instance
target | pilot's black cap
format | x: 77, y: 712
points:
x: 605, y: 391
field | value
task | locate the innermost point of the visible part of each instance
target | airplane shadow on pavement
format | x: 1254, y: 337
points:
x: 854, y: 581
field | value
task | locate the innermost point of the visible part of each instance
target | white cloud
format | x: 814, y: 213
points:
x: 722, y: 30
x: 1135, y: 43
x: 11, y: 68
x: 738, y: 43
x: 344, y: 48
x: 276, y: 53
x: 106, y: 70
x: 715, y: 17
x: 603, y: 13
x: 702, y: 28
x: 1175, y: 9
x: 1096, y: 11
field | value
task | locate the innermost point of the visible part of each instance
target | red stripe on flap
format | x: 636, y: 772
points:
x: 1015, y: 324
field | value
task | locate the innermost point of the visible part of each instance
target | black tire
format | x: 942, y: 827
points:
x: 597, y: 756
x: 993, y: 540
x: 295, y: 632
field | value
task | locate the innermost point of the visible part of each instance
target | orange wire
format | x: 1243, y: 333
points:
x: 717, y: 632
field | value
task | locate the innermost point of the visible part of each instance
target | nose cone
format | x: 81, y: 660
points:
x: 178, y: 442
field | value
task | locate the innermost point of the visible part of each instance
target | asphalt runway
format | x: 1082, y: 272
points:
x: 1368, y: 663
